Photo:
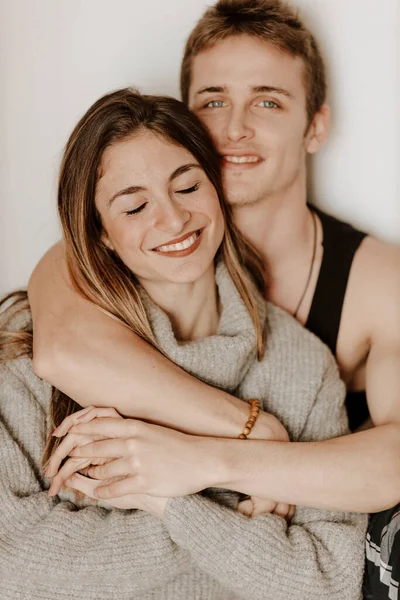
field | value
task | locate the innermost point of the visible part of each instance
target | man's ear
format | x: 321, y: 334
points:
x: 318, y: 130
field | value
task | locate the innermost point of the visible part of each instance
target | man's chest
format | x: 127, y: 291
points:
x: 342, y: 326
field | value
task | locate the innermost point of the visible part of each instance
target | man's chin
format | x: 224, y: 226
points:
x: 236, y: 198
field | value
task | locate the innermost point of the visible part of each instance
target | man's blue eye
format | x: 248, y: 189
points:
x: 268, y: 104
x: 215, y: 104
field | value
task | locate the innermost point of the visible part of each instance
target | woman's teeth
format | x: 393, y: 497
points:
x: 241, y: 159
x: 180, y: 245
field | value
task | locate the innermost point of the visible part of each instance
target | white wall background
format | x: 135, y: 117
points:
x: 58, y: 56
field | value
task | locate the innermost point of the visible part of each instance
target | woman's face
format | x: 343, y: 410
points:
x: 160, y: 213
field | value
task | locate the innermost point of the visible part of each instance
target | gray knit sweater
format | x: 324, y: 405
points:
x: 203, y: 549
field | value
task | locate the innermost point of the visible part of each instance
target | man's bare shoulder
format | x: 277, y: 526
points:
x: 375, y: 283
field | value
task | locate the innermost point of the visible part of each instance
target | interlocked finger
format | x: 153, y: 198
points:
x: 84, y: 416
x: 82, y: 484
x: 101, y: 448
x: 291, y: 513
x: 282, y: 510
x: 116, y: 489
x: 71, y: 466
x: 71, y: 441
x: 245, y: 507
x: 115, y: 468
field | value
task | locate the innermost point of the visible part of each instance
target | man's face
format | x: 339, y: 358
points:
x: 252, y: 98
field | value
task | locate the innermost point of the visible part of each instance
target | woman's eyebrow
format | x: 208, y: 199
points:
x: 183, y: 169
x: 132, y: 189
x: 129, y: 190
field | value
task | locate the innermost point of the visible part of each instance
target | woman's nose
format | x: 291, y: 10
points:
x: 172, y: 217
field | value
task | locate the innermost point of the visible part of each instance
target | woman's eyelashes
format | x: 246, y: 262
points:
x: 189, y: 190
x: 134, y: 211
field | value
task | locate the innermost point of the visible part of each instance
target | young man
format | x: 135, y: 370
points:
x: 253, y: 74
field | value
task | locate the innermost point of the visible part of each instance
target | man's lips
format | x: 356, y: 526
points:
x: 240, y: 159
x: 181, y: 244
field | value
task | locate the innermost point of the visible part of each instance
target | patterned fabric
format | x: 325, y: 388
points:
x: 382, y: 574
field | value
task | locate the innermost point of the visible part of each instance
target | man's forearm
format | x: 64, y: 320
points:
x: 357, y: 473
x: 97, y: 360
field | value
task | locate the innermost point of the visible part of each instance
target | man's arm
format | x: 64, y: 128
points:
x: 96, y: 360
x: 360, y: 471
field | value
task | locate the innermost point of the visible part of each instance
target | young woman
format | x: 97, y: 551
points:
x: 149, y: 240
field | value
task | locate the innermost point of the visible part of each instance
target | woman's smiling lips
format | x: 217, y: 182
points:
x: 182, y: 246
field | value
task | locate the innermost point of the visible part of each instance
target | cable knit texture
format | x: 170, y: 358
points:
x: 203, y: 550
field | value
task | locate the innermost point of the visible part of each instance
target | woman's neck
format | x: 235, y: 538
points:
x: 191, y: 307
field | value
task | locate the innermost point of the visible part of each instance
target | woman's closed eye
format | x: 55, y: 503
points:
x: 134, y: 211
x: 189, y: 190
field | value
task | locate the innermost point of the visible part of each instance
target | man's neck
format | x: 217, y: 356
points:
x: 278, y: 226
x: 282, y: 230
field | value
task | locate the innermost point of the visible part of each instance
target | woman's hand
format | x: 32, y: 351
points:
x: 140, y: 458
x: 68, y: 444
x: 152, y: 504
x: 130, y: 457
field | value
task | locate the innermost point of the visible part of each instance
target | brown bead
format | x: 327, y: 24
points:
x: 251, y: 420
x: 242, y: 436
x: 249, y: 424
x: 246, y: 430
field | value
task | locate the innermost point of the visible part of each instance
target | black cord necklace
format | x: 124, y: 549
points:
x: 311, y: 265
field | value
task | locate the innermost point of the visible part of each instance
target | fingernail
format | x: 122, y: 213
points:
x: 51, y: 491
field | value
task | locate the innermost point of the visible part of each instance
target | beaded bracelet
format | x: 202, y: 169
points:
x: 254, y: 412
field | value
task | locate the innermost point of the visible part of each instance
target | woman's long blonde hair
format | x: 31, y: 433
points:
x: 97, y: 273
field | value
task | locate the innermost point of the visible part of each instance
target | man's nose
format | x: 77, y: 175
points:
x: 171, y: 217
x: 238, y: 126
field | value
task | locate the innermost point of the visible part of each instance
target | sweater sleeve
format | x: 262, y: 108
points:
x: 50, y: 548
x: 319, y: 556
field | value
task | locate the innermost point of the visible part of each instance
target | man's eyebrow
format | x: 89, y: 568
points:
x: 258, y: 89
x: 211, y: 89
x: 269, y: 89
x: 137, y: 188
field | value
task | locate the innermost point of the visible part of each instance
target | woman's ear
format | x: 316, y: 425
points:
x: 106, y: 241
x: 318, y: 130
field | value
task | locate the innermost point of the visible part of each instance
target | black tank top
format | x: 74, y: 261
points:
x: 340, y: 241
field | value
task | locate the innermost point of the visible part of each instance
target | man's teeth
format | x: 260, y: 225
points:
x: 180, y: 245
x: 241, y: 159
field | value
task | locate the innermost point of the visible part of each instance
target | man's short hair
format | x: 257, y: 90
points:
x: 271, y: 21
